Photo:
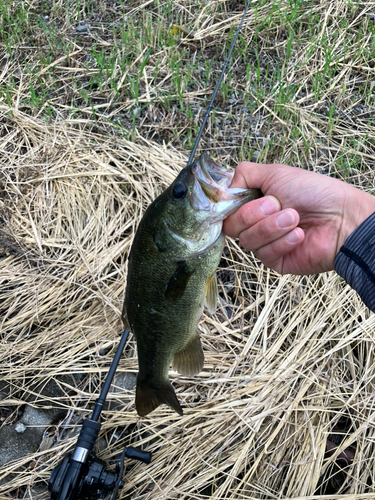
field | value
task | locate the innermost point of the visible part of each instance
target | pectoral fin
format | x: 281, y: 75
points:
x: 178, y: 282
x: 211, y: 294
x: 190, y: 360
x: 150, y: 395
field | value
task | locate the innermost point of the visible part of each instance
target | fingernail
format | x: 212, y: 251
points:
x: 293, y: 236
x: 285, y: 219
x: 269, y: 206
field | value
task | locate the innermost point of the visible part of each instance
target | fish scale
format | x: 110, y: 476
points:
x: 172, y: 270
x: 171, y: 275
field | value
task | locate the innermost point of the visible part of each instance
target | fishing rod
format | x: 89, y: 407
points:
x: 80, y: 475
x: 197, y: 140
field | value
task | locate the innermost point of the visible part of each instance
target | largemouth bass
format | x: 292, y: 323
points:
x: 172, y: 275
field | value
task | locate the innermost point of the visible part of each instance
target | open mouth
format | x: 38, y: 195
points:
x: 214, y: 182
x: 213, y: 179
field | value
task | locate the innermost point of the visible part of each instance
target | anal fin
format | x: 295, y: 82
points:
x: 190, y: 360
x: 150, y: 395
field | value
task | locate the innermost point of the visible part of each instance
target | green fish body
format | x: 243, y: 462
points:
x: 172, y: 275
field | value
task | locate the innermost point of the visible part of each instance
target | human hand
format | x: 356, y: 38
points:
x: 301, y: 222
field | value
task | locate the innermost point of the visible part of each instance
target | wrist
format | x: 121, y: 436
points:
x: 361, y: 207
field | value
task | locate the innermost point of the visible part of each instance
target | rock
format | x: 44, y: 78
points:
x: 255, y: 156
x: 82, y: 29
x: 51, y: 394
x: 123, y: 383
x: 33, y: 417
x: 20, y: 428
x: 24, y: 437
x: 16, y: 445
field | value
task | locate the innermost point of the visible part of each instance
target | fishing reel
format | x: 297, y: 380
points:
x: 89, y: 481
x: 81, y: 475
x: 74, y: 479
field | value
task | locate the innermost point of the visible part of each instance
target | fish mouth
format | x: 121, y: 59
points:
x: 213, y: 179
x: 212, y: 192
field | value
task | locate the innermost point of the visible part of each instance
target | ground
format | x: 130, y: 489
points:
x: 100, y: 104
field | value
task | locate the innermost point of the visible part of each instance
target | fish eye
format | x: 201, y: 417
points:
x: 179, y: 191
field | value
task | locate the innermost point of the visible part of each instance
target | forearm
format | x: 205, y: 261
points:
x: 355, y: 261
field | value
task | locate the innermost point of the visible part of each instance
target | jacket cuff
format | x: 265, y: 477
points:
x: 355, y: 261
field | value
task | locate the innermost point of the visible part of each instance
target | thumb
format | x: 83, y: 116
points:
x: 252, y: 175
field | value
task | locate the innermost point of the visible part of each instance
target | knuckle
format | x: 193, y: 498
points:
x: 242, y: 167
x: 276, y: 249
x: 271, y: 256
x: 241, y: 173
x: 243, y: 217
x: 246, y: 240
x: 263, y: 230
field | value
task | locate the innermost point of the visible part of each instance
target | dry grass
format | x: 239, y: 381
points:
x: 289, y: 360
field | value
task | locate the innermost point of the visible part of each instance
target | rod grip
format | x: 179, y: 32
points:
x: 88, y: 435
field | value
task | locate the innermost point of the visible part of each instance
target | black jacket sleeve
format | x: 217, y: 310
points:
x: 355, y: 261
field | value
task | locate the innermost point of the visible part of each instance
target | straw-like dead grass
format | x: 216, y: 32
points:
x: 289, y: 360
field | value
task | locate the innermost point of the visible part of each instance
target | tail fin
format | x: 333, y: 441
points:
x: 149, y: 396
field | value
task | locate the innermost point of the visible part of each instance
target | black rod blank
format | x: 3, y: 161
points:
x: 192, y: 154
x: 108, y: 381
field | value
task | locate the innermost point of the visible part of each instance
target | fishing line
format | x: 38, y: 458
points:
x: 192, y: 154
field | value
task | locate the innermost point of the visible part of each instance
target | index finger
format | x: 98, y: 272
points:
x: 250, y: 214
